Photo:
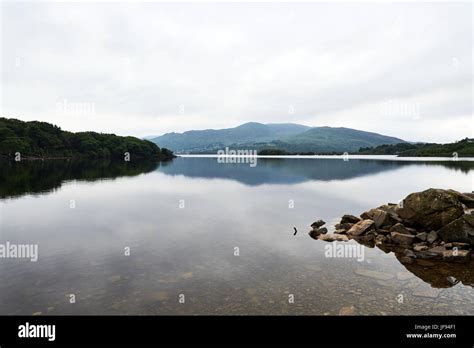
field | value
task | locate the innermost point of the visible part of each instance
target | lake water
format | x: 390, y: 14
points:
x: 216, y: 238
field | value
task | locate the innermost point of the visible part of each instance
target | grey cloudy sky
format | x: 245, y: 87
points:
x: 149, y: 68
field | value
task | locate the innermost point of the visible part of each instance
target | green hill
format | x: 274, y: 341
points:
x: 43, y: 140
x: 286, y: 137
x: 463, y: 148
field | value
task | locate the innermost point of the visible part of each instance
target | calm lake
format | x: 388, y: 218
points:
x: 194, y: 236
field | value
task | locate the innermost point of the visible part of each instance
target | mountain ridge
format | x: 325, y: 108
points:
x: 290, y: 137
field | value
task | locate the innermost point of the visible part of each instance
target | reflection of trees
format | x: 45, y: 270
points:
x: 26, y: 177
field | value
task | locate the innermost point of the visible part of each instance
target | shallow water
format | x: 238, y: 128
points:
x: 183, y: 222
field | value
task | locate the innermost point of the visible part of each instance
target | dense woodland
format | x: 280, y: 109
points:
x: 43, y: 140
x: 463, y: 148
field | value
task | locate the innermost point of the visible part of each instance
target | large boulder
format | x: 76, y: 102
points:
x: 466, y: 198
x: 460, y: 230
x: 432, y: 208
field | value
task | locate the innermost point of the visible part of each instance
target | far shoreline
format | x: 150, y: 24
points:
x: 343, y: 157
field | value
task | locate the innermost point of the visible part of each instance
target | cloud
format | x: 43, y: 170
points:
x: 149, y: 68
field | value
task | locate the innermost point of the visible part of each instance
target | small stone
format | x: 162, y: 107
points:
x: 422, y: 236
x: 432, y: 236
x: 333, y: 237
x: 345, y: 226
x: 317, y: 231
x: 374, y: 274
x: 347, y: 218
x: 317, y: 224
x: 433, y: 252
x: 114, y: 278
x: 379, y: 216
x: 340, y: 231
x: 380, y: 239
x: 398, y: 227
x: 348, y: 310
x: 361, y: 227
x: 401, y: 238
x: 187, y: 275
x: 420, y: 248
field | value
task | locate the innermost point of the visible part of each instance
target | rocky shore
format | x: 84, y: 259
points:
x: 433, y: 224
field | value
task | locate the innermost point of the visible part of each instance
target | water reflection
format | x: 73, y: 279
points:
x: 435, y: 272
x: 35, y: 177
x: 293, y: 171
x: 191, y: 250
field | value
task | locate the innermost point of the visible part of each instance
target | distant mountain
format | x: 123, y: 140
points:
x: 288, y: 137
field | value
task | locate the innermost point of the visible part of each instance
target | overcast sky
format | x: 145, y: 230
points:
x: 150, y: 68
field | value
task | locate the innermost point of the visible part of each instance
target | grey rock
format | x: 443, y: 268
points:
x: 466, y: 198
x: 379, y: 216
x: 318, y: 224
x: 333, y: 237
x: 340, y: 231
x: 345, y: 226
x: 420, y: 248
x: 317, y: 231
x: 432, y: 208
x: 380, y: 239
x: 431, y: 237
x: 361, y: 227
x: 422, y: 236
x: 401, y: 238
x: 398, y: 227
x: 347, y: 218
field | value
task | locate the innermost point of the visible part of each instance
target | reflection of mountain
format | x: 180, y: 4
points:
x: 18, y: 178
x: 289, y: 171
x: 35, y: 177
